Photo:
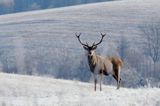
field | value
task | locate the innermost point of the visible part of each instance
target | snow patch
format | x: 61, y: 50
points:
x: 20, y: 90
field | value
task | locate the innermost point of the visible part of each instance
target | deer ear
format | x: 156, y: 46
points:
x: 94, y: 47
x: 85, y: 47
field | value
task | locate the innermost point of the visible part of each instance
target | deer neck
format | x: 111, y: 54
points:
x: 92, y: 61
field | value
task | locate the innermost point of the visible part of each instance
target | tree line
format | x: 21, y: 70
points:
x: 27, y: 5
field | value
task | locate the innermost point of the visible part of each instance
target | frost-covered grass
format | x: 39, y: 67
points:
x: 41, y: 39
x: 19, y: 90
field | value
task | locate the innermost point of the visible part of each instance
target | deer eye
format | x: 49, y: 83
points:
x: 94, y: 47
x: 86, y: 48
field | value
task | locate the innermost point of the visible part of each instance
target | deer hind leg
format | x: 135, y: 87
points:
x: 117, y: 77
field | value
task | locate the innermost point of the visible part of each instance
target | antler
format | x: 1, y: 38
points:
x: 78, y: 36
x: 103, y: 35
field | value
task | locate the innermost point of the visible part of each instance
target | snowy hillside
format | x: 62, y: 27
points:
x: 17, y: 90
x: 43, y: 42
x: 47, y: 27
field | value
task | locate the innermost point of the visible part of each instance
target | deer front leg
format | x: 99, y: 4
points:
x: 95, y: 82
x: 101, y: 78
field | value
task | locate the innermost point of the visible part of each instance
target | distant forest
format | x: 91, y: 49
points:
x: 12, y: 6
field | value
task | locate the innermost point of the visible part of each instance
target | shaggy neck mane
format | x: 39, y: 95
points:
x: 92, y: 60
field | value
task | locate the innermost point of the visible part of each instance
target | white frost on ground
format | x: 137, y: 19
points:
x: 43, y: 27
x: 18, y: 90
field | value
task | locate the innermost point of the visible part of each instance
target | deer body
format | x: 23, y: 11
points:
x: 100, y: 65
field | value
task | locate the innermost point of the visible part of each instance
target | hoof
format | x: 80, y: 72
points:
x: 118, y: 87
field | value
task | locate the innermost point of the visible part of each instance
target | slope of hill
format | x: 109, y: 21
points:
x: 43, y: 42
x: 18, y: 90
x: 115, y: 17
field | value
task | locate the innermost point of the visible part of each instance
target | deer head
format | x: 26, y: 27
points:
x: 90, y: 49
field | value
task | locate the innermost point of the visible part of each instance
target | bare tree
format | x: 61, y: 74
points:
x: 122, y: 47
x: 151, y: 34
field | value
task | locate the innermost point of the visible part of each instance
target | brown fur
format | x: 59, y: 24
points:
x: 103, y: 70
x: 116, y: 61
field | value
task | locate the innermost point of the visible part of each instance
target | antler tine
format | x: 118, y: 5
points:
x: 78, y: 36
x: 103, y: 35
x: 93, y: 44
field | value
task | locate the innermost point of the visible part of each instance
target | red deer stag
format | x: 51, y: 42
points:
x: 99, y: 65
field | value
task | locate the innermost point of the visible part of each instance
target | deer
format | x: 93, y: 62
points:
x: 101, y: 65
